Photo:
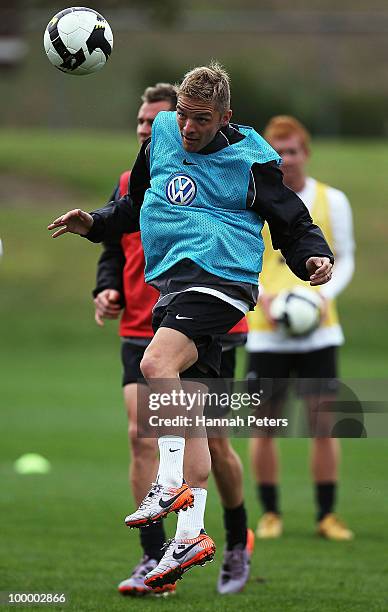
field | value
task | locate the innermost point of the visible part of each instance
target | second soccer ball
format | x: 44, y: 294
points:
x: 297, y: 312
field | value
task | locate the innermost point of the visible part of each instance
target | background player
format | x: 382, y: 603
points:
x: 121, y: 285
x: 272, y: 355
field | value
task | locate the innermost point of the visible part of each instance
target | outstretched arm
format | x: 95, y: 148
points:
x: 110, y: 222
x: 107, y: 223
x: 75, y: 221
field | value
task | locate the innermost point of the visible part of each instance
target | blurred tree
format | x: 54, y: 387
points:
x: 363, y: 113
x: 166, y: 13
x: 148, y: 71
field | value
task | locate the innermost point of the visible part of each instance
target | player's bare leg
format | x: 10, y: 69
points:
x: 191, y: 545
x: 197, y: 463
x: 143, y: 469
x: 144, y: 456
x: 325, y: 459
x: 170, y: 353
x: 265, y: 467
x: 264, y: 460
x: 228, y: 474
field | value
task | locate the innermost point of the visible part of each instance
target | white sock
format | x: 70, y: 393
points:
x: 172, y: 450
x: 190, y: 522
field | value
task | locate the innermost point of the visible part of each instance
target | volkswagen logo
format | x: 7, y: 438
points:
x: 181, y: 189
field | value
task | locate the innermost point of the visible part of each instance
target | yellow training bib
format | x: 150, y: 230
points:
x: 276, y: 275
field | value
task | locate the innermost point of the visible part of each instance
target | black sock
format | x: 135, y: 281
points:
x: 268, y: 496
x: 152, y: 539
x: 325, y: 497
x: 235, y: 523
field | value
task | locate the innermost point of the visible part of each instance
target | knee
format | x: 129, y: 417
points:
x: 152, y: 365
x: 149, y: 366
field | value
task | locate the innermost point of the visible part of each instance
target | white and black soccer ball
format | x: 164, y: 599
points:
x: 78, y: 40
x: 297, y: 312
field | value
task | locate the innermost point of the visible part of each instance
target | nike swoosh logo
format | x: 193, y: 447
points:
x: 179, y: 317
x: 173, y: 450
x: 168, y: 502
x: 187, y: 163
x: 178, y: 556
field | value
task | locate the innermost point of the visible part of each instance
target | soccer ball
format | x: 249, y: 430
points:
x: 297, y: 312
x: 78, y: 40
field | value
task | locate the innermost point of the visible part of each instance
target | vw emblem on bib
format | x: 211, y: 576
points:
x: 181, y: 189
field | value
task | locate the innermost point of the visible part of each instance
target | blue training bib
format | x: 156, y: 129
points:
x: 195, y: 207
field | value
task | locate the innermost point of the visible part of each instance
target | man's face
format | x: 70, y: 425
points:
x: 198, y: 122
x: 146, y: 115
x: 294, y: 156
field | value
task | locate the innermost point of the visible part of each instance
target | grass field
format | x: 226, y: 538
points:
x: 60, y: 396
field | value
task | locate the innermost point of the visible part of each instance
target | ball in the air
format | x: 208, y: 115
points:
x: 78, y: 41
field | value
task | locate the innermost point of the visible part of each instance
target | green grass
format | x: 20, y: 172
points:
x: 60, y: 396
x: 85, y: 161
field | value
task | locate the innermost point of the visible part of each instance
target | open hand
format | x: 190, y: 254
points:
x: 75, y: 221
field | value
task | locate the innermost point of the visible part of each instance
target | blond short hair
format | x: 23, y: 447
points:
x: 283, y: 126
x: 208, y: 83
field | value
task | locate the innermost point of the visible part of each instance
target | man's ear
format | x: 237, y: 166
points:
x: 226, y: 117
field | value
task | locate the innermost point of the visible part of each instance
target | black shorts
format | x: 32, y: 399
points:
x: 131, y: 356
x: 202, y: 318
x: 317, y: 370
x: 228, y: 363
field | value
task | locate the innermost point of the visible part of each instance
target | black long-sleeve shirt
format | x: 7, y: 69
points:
x: 291, y: 227
x: 111, y: 263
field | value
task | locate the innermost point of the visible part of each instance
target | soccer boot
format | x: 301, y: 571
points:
x: 135, y: 587
x: 236, y: 567
x: 269, y: 526
x: 180, y: 556
x: 331, y: 528
x: 159, y: 502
